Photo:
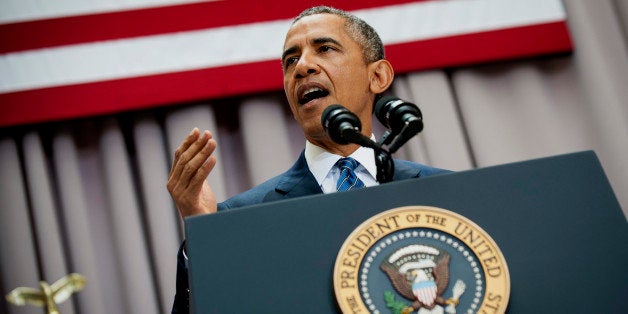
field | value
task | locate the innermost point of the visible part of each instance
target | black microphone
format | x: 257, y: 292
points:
x: 404, y: 120
x: 344, y: 127
x: 397, y: 114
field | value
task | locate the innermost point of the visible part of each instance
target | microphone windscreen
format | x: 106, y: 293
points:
x: 395, y: 113
x: 336, y: 120
x: 382, y: 109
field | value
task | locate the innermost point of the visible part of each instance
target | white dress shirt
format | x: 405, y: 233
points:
x: 321, y: 164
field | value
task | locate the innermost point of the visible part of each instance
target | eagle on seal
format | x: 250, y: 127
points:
x: 420, y: 274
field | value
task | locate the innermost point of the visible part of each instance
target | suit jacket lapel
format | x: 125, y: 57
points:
x: 298, y: 181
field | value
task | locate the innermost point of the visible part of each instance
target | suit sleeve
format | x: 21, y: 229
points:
x: 182, y: 296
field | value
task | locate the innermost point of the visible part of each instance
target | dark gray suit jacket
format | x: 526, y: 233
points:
x: 297, y: 181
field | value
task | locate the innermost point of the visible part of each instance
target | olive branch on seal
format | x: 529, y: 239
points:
x: 397, y: 307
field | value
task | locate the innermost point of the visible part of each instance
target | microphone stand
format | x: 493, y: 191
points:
x: 409, y: 130
x: 383, y: 159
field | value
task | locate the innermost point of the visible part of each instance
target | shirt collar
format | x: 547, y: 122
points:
x: 321, y: 161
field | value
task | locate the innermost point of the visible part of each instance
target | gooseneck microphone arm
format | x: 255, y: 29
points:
x: 403, y: 119
x: 344, y: 127
x: 407, y: 132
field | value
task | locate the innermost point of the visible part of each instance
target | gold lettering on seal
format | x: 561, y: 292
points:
x: 364, y: 238
x: 353, y: 305
x: 436, y: 220
x: 492, y: 304
x: 351, y: 259
x: 483, y: 249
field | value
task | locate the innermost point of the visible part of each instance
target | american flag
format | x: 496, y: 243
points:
x: 73, y: 58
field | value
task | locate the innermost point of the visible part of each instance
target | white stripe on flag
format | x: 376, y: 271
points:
x: 147, y: 55
x: 12, y: 11
x: 434, y: 19
x: 184, y: 51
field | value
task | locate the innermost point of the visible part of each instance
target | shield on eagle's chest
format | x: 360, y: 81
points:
x: 425, y: 291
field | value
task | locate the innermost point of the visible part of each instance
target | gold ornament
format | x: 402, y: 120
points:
x: 49, y: 295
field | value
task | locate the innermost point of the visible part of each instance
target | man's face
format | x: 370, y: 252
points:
x: 323, y: 65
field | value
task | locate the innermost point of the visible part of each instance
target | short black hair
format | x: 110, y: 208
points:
x: 358, y: 29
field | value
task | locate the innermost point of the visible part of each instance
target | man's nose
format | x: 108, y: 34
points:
x: 305, y: 66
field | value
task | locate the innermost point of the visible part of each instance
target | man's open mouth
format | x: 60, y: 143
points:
x: 311, y: 94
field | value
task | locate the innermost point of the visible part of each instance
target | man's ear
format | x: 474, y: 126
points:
x: 381, y: 75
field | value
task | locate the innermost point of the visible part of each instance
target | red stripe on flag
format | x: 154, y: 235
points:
x: 106, y: 97
x: 503, y: 44
x: 144, y: 22
x: 73, y: 101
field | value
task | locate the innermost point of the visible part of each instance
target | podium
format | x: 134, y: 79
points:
x: 556, y: 221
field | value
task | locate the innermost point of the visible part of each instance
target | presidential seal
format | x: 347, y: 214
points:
x: 420, y: 259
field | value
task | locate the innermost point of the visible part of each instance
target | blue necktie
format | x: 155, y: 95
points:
x: 348, y: 180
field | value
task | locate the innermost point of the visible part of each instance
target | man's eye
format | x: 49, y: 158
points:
x: 290, y: 61
x: 325, y: 48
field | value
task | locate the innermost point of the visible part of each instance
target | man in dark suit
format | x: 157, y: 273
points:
x: 329, y: 57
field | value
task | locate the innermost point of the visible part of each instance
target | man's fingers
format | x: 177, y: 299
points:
x: 193, y: 167
x: 196, y: 181
x: 187, y: 176
x: 203, y: 172
x: 192, y: 163
x: 189, y: 140
x: 187, y: 152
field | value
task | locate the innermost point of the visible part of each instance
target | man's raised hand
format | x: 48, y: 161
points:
x: 193, y: 161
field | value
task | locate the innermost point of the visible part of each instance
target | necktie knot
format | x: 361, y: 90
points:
x: 348, y: 163
x: 348, y: 180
